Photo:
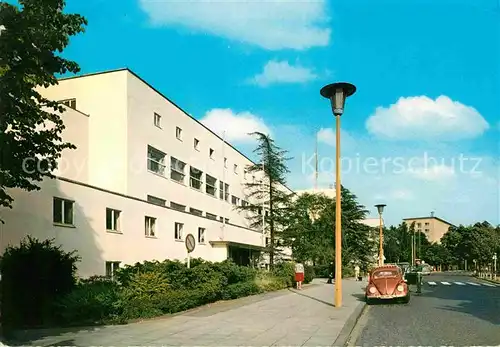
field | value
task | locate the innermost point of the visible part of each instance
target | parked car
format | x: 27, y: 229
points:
x: 387, y: 283
x: 426, y: 270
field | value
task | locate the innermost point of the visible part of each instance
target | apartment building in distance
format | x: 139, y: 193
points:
x: 144, y: 175
x: 433, y: 227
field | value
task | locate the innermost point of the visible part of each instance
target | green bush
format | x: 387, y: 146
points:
x: 309, y: 274
x: 323, y: 271
x: 286, y: 271
x: 34, y: 275
x: 239, y: 290
x: 146, y: 285
x: 267, y: 281
x: 94, y: 301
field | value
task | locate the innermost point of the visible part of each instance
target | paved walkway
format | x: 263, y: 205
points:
x: 284, y: 318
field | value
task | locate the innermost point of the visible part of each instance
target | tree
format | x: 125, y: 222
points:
x: 310, y: 229
x: 30, y: 42
x: 270, y: 192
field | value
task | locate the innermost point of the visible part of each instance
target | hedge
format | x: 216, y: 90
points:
x: 139, y: 291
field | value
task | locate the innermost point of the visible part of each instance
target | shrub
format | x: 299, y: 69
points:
x: 94, y: 301
x: 267, y: 281
x: 239, y: 290
x: 323, y: 271
x: 286, y: 271
x: 309, y: 274
x: 34, y: 275
x: 146, y: 285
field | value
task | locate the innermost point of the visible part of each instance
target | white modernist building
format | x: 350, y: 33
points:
x: 144, y: 175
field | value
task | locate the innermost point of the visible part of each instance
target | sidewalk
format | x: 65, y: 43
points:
x: 284, y: 318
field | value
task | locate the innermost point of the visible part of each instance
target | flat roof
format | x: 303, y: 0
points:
x: 430, y: 217
x: 166, y: 98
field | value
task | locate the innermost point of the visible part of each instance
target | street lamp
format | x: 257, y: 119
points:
x: 495, y: 266
x: 380, y: 209
x: 337, y: 93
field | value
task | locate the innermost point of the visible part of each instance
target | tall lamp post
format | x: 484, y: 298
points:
x: 380, y: 209
x: 495, y: 266
x: 337, y: 93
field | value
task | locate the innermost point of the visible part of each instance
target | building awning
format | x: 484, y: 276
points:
x: 237, y: 244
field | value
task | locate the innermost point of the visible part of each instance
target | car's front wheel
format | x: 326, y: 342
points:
x: 406, y: 299
x: 368, y: 300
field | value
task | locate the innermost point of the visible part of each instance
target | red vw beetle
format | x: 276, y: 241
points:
x: 387, y: 282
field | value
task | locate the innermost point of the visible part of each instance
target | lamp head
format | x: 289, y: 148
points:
x: 337, y: 93
x: 380, y: 208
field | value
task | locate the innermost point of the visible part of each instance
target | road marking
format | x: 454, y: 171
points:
x: 460, y: 283
x: 432, y: 283
x: 474, y: 284
x: 488, y: 285
x: 446, y: 283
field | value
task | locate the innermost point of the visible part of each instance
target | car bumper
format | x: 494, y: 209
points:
x: 386, y: 297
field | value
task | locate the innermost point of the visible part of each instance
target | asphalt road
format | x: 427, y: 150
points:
x: 444, y: 314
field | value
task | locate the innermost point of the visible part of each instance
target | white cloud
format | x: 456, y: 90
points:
x: 272, y: 25
x: 421, y: 118
x: 402, y: 194
x: 434, y: 173
x: 235, y: 125
x: 282, y: 72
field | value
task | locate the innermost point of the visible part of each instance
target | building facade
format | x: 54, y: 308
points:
x: 433, y: 227
x: 144, y: 175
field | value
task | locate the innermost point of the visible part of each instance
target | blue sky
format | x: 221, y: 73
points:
x: 427, y: 72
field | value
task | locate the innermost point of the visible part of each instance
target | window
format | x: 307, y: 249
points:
x: 210, y: 186
x: 235, y: 169
x: 267, y: 213
x: 111, y: 267
x: 157, y: 120
x: 222, y: 219
x: 259, y: 210
x: 419, y: 225
x: 178, y: 207
x: 235, y: 200
x: 211, y: 216
x: 62, y: 211
x: 223, y: 191
x: 245, y: 173
x: 201, y: 235
x: 211, y: 153
x: 178, y: 231
x: 156, y: 161
x: 157, y: 201
x: 196, y: 144
x: 427, y: 230
x: 195, y: 211
x: 178, y: 133
x: 268, y: 241
x: 195, y: 177
x: 177, y: 170
x: 244, y: 203
x: 426, y: 223
x: 225, y: 162
x: 150, y: 226
x: 71, y: 103
x: 112, y: 219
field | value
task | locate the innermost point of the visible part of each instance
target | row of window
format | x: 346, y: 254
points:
x: 157, y: 119
x: 197, y: 179
x: 63, y: 211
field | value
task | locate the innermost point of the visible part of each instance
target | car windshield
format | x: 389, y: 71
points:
x: 385, y: 273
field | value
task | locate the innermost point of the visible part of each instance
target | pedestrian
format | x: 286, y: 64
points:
x: 356, y: 272
x: 299, y: 275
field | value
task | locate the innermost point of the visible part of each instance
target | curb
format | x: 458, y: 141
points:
x: 349, y: 326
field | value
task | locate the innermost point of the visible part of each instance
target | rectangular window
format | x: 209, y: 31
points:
x: 222, y: 219
x: 211, y: 216
x: 157, y: 201
x: 196, y: 144
x: 427, y: 223
x: 112, y: 219
x: 235, y: 168
x: 62, y: 211
x: 178, y: 133
x: 211, y: 153
x: 156, y: 161
x: 235, y: 200
x: 195, y: 211
x: 244, y: 203
x: 111, y: 267
x: 177, y: 170
x: 225, y: 162
x: 71, y: 103
x: 201, y: 235
x: 178, y: 231
x: 157, y: 120
x: 195, y: 178
x: 150, y: 226
x: 178, y: 207
x: 210, y: 186
x: 223, y: 191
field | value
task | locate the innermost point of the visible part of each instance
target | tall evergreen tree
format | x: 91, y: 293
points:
x: 270, y: 192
